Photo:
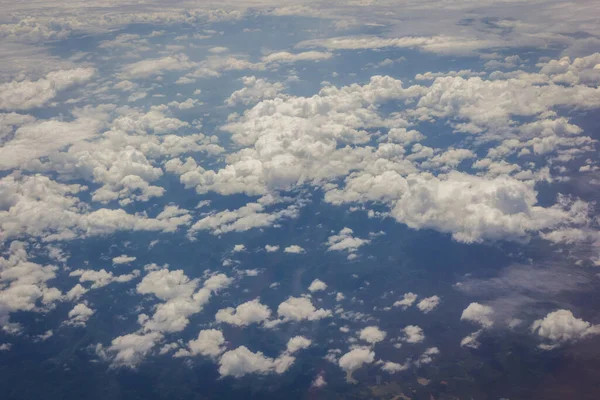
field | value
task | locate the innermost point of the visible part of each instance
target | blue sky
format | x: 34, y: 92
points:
x: 341, y: 193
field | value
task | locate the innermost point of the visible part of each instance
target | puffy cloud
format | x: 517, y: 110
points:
x: 271, y: 249
x: 297, y: 343
x: 428, y: 304
x: 471, y: 341
x: 24, y: 286
x: 407, y: 301
x: 250, y: 216
x: 123, y: 259
x: 241, y: 361
x: 76, y: 292
x: 355, y: 359
x: 479, y: 314
x: 474, y: 208
x: 319, y: 382
x: 299, y: 309
x: 255, y: 90
x: 413, y: 334
x: 344, y: 241
x: 294, y: 249
x: 392, y: 367
x: 239, y: 248
x: 427, y: 356
x: 317, y: 285
x: 26, y: 94
x: 372, y: 335
x: 129, y: 350
x: 100, y: 278
x: 562, y: 326
x: 40, y: 207
x: 79, y: 315
x: 209, y: 343
x: 181, y: 298
x: 250, y: 312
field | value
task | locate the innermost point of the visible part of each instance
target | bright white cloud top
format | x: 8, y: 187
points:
x: 245, y: 187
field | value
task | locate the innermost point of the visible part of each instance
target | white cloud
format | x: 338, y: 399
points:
x: 319, y: 382
x: 250, y: 312
x: 129, y: 350
x: 76, y: 292
x: 238, y: 248
x: 344, y: 241
x: 241, y: 361
x: 317, y: 285
x: 294, y: 249
x: 123, y: 259
x: 413, y: 334
x: 428, y: 304
x: 209, y: 343
x: 255, y: 90
x: 79, y: 315
x: 271, y: 249
x: 297, y: 343
x: 299, y: 309
x: 180, y: 295
x: 372, y: 335
x: 427, y: 356
x: 355, y: 359
x: 24, y: 286
x: 407, y: 301
x: 471, y: 341
x: 562, y: 326
x: 26, y: 94
x: 479, y: 314
x: 392, y: 367
x: 101, y: 278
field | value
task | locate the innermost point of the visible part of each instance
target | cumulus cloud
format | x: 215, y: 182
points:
x: 238, y: 248
x: 129, y: 350
x: 255, y: 90
x: 294, y: 249
x: 24, y: 95
x: 428, y: 304
x: 562, y: 326
x: 317, y: 285
x: 250, y: 312
x: 297, y: 343
x: 271, y: 248
x: 355, y: 359
x: 372, y: 335
x: 344, y: 241
x: 24, y: 286
x: 209, y: 343
x: 99, y: 278
x: 79, y: 315
x: 392, y: 367
x: 123, y: 259
x: 427, y: 356
x: 407, y: 301
x: 471, y: 340
x: 299, y: 309
x: 413, y: 334
x: 479, y: 314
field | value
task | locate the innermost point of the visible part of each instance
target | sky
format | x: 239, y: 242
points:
x: 307, y: 199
